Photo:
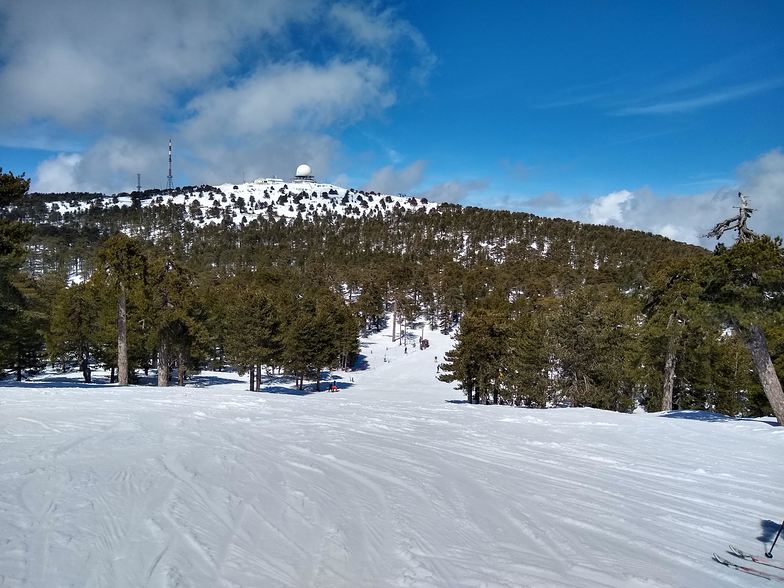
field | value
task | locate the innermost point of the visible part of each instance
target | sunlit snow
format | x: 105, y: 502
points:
x: 391, y: 481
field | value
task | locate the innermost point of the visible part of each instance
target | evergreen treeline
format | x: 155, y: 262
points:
x: 603, y: 348
x: 142, y: 309
x: 548, y: 311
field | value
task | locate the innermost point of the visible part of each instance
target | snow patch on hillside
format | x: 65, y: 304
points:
x: 270, y: 198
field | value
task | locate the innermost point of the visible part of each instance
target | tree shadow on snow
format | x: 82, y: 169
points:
x: 307, y: 391
x: 55, y: 382
x: 340, y: 382
x: 704, y: 415
x: 274, y: 385
x: 768, y: 531
x: 199, y: 381
x: 360, y: 363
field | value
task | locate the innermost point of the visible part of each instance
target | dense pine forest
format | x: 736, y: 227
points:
x: 545, y: 312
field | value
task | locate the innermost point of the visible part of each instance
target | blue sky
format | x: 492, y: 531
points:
x: 615, y: 112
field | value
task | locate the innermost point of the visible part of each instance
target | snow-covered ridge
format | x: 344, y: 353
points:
x: 270, y: 198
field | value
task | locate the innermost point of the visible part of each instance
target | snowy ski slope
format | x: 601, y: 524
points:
x: 392, y: 481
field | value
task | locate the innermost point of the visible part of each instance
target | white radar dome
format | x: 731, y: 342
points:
x: 303, y: 170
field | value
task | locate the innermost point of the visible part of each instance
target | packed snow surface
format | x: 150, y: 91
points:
x: 391, y: 481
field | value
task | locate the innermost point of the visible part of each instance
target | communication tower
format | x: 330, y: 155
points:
x: 169, y: 181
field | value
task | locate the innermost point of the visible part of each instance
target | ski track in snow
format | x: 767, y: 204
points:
x: 389, y: 482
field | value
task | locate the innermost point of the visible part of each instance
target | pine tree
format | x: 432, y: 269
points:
x: 476, y: 360
x: 672, y: 308
x: 527, y: 359
x: 254, y: 337
x: 12, y: 255
x: 22, y: 316
x: 104, y: 337
x: 124, y: 263
x: 370, y: 305
x: 73, y: 324
x: 745, y: 285
x: 175, y: 316
x: 594, y: 343
x: 12, y: 187
x: 318, y: 335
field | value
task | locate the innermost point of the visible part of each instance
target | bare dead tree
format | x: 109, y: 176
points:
x: 752, y: 334
x: 738, y: 223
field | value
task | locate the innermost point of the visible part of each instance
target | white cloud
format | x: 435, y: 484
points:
x: 275, y: 155
x: 58, y: 174
x: 454, y: 190
x: 688, y: 217
x: 230, y: 81
x: 609, y: 208
x: 762, y: 180
x: 389, y: 180
x: 109, y: 165
x: 300, y: 96
x: 91, y: 63
x: 684, y: 217
x: 670, y: 90
x: 382, y: 31
x: 681, y: 217
x: 698, y: 102
x: 364, y: 27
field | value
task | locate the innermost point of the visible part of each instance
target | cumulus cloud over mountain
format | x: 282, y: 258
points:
x: 112, y: 73
x: 687, y: 217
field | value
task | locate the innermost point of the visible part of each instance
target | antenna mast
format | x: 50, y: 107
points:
x: 139, y: 183
x: 169, y: 182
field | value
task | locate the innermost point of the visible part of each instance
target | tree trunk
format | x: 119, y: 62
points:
x: 470, y: 393
x: 252, y: 378
x: 111, y: 376
x: 122, y: 338
x: 758, y: 346
x: 669, y: 364
x: 18, y: 372
x: 394, y: 321
x: 180, y: 369
x: 86, y: 372
x: 669, y: 380
x: 318, y: 379
x: 163, y: 364
x: 495, y: 396
x: 258, y: 377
